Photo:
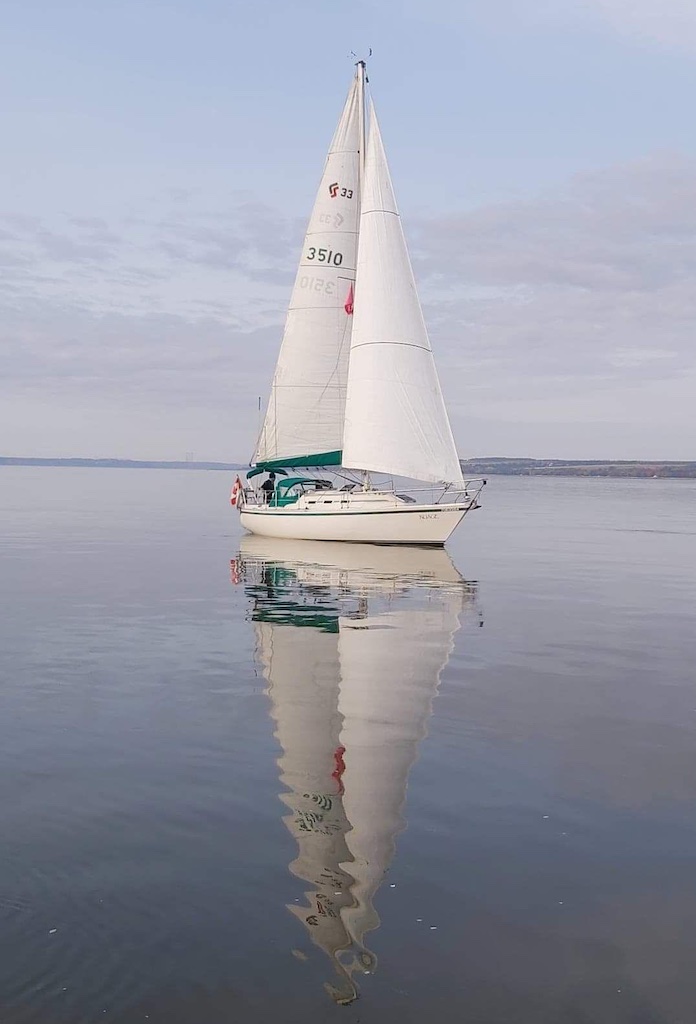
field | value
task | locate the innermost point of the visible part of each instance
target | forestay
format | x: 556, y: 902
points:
x: 304, y: 419
x: 395, y: 417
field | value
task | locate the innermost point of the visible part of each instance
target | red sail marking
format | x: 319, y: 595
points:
x: 339, y: 769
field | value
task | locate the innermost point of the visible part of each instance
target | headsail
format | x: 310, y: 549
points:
x: 395, y: 416
x: 304, y: 419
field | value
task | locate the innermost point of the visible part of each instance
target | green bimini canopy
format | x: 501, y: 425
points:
x: 260, y: 469
x: 300, y: 461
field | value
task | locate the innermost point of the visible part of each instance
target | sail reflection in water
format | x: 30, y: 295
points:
x: 351, y: 640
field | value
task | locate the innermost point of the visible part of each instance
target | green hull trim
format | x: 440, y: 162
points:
x: 320, y: 459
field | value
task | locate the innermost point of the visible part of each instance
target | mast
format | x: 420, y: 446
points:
x: 362, y: 130
x: 362, y: 134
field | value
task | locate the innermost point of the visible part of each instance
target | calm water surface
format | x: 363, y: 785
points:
x: 245, y: 781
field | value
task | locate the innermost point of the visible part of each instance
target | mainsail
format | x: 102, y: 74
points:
x: 395, y: 416
x: 305, y: 414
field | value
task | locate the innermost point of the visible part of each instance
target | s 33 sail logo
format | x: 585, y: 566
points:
x: 335, y: 190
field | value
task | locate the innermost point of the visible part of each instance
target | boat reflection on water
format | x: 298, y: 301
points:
x: 351, y: 640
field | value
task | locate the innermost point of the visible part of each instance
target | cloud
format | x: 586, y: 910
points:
x: 177, y: 263
x: 576, y: 307
x: 594, y: 284
x: 173, y: 319
x: 64, y: 249
x: 164, y: 357
x: 256, y: 241
x: 669, y: 23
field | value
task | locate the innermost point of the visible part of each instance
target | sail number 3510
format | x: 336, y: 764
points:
x: 325, y: 256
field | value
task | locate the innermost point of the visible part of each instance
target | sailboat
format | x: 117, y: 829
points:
x: 356, y: 433
x: 352, y: 646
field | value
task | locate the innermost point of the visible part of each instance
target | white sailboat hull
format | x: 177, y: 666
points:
x: 408, y: 524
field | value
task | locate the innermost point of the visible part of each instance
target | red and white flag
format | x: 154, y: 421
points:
x: 236, y: 494
x: 349, y: 302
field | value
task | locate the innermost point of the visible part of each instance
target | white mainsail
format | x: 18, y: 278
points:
x: 305, y: 413
x: 395, y: 416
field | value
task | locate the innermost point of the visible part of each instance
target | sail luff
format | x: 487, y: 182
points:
x: 305, y: 413
x: 395, y: 416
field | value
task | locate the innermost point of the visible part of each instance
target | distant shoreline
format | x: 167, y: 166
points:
x: 471, y: 467
x: 618, y: 468
x: 118, y: 464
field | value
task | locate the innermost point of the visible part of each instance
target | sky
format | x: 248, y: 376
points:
x: 160, y: 159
